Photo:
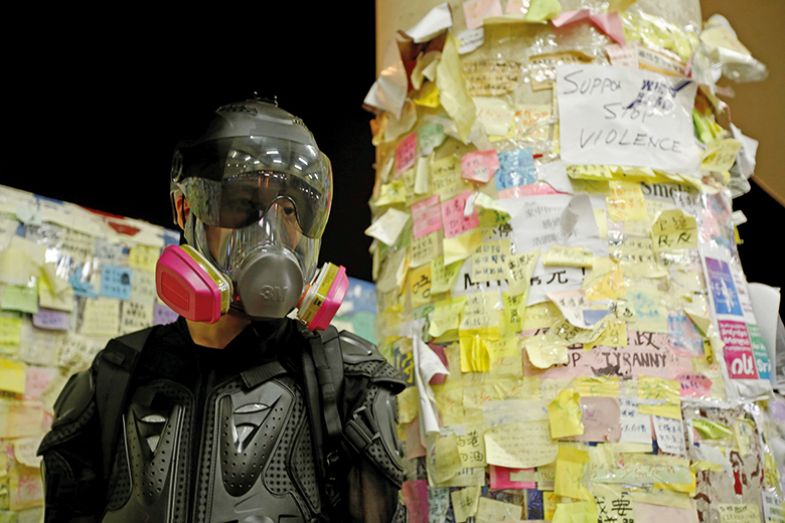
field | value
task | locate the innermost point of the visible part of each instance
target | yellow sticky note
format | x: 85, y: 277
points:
x: 10, y: 333
x: 425, y: 249
x: 492, y: 511
x: 446, y: 459
x: 549, y: 503
x: 578, y: 512
x: 652, y: 388
x: 673, y: 229
x: 446, y: 179
x: 454, y: 96
x: 520, y: 445
x: 490, y: 260
x: 613, y: 334
x: 420, y: 285
x: 619, y: 5
x: 589, y: 172
x: 626, y: 202
x: 446, y: 316
x: 461, y: 246
x: 709, y: 429
x: 514, y: 304
x: 563, y: 256
x: 143, y: 257
x: 443, y: 276
x: 20, y: 298
x: 597, y: 386
x: 720, y: 155
x: 542, y: 10
x: 428, y: 96
x: 465, y: 503
x: 101, y: 317
x: 471, y: 448
x: 476, y: 347
x: 408, y: 405
x: 570, y: 473
x: 544, y: 352
x: 16, y: 267
x: 61, y: 301
x: 540, y: 315
x: 738, y: 513
x: 506, y: 357
x: 519, y: 271
x: 565, y: 415
x: 12, y: 376
x: 482, y: 311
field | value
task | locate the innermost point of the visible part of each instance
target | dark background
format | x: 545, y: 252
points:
x: 97, y: 102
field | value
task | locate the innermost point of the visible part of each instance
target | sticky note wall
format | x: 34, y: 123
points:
x: 557, y: 276
x: 70, y: 279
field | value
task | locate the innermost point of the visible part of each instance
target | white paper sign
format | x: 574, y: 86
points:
x: 623, y: 116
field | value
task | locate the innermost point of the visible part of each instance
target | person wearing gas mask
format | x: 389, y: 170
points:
x: 237, y: 412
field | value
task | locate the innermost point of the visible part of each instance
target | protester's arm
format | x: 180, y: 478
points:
x: 71, y: 450
x: 375, y: 477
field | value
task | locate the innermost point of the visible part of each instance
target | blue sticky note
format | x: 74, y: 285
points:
x: 516, y: 168
x: 81, y: 287
x: 116, y: 282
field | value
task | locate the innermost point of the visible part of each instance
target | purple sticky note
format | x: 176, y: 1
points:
x: 52, y: 320
x: 163, y: 314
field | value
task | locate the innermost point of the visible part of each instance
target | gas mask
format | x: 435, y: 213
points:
x: 259, y: 194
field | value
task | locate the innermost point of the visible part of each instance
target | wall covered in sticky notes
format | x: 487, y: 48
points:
x: 69, y: 281
x: 594, y: 352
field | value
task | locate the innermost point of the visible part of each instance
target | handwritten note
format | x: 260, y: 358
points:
x: 135, y: 316
x: 493, y: 511
x: 20, y: 298
x: 490, y: 261
x: 623, y: 116
x: 520, y: 445
x: 626, y: 202
x: 101, y: 317
x: 446, y: 179
x: 479, y: 166
x: 426, y: 216
x: 116, y: 282
x: 453, y: 217
x: 406, y: 153
x: 570, y: 473
x: 52, y: 320
x: 465, y: 503
x: 635, y: 427
x: 12, y: 376
x: 443, y: 276
x: 143, y: 257
x: 738, y: 513
x: 425, y: 249
x: 673, y: 229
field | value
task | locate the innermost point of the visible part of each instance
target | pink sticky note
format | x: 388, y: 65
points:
x: 439, y: 378
x: 37, y: 380
x: 475, y: 11
x: 694, y: 385
x: 426, y: 216
x: 500, y: 478
x: 479, y: 166
x: 570, y: 17
x: 415, y: 497
x: 533, y: 189
x: 601, y: 419
x: 610, y: 24
x: 406, y: 153
x: 622, y: 55
x: 452, y: 216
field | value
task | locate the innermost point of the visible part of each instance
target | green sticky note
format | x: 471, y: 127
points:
x: 18, y: 298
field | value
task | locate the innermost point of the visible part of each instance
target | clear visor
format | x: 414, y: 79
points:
x: 230, y: 248
x: 233, y: 182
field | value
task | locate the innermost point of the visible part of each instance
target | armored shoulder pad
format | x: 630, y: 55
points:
x: 73, y: 410
x: 361, y: 357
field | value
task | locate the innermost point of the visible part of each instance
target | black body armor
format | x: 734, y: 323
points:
x: 240, y: 434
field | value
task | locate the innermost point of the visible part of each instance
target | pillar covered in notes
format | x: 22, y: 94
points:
x: 554, y: 251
